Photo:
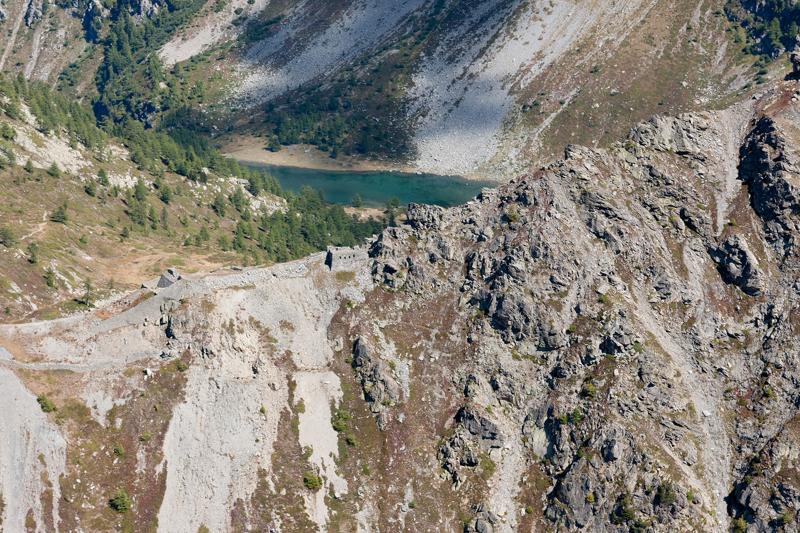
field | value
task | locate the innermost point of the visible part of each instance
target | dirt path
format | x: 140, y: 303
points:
x: 39, y: 228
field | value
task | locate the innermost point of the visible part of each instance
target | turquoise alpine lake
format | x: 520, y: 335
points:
x: 377, y: 188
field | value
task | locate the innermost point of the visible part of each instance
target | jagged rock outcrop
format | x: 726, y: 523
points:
x: 739, y: 266
x: 33, y: 12
x: 621, y: 285
x: 767, y: 497
x: 380, y: 388
x: 607, y: 344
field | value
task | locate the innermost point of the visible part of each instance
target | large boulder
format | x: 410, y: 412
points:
x: 737, y: 265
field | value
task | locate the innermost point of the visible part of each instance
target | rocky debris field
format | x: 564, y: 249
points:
x: 605, y: 344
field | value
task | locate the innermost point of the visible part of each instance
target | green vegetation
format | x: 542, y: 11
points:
x: 53, y: 111
x: 129, y: 77
x: 120, y: 502
x: 50, y: 278
x: 623, y: 512
x: 308, y: 223
x: 312, y: 481
x: 118, y: 450
x: 7, y: 237
x: 45, y: 403
x: 771, y: 25
x: 575, y: 417
x: 33, y: 253
x: 341, y: 420
x: 589, y: 390
x: 738, y: 525
x: 60, y: 214
x: 665, y: 494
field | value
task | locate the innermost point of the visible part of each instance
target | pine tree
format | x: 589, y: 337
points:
x: 140, y: 190
x: 165, y: 194
x: 102, y: 177
x: 164, y: 218
x: 53, y: 171
x: 7, y: 237
x: 60, y: 214
x: 33, y: 253
x: 218, y: 205
x: 50, y: 278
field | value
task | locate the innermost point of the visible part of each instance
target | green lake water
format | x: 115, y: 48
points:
x: 376, y: 188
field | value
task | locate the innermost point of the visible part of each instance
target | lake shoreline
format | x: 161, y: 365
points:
x: 252, y: 150
x: 375, y: 188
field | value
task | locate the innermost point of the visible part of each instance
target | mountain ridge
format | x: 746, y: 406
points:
x: 605, y: 343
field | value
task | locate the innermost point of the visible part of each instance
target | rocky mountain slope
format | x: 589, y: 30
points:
x: 444, y: 86
x: 604, y: 344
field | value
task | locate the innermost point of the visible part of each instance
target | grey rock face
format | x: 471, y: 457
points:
x: 479, y: 426
x: 33, y: 12
x: 739, y: 266
x: 770, y: 169
x: 380, y: 389
x: 631, y: 317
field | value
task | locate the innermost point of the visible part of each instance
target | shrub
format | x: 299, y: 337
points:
x: 118, y: 450
x: 53, y: 170
x: 60, y: 214
x: 576, y: 417
x: 623, y: 512
x: 665, y: 495
x: 589, y: 390
x: 45, y: 403
x: 7, y: 237
x: 7, y: 132
x: 340, y: 420
x: 312, y: 481
x: 739, y: 525
x: 120, y: 502
x: 50, y: 278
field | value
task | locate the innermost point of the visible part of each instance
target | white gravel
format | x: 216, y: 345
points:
x: 464, y: 92
x: 207, y: 31
x: 266, y: 71
x: 32, y: 456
